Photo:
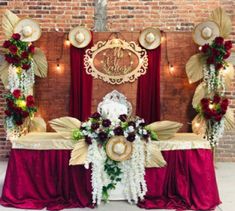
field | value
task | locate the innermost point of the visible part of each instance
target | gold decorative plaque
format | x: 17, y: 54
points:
x: 116, y: 61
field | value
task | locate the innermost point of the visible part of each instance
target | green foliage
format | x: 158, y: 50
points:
x: 77, y: 134
x: 114, y: 172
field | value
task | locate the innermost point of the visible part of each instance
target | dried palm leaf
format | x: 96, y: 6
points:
x: 223, y: 20
x: 79, y: 153
x: 155, y: 156
x: 228, y: 75
x: 200, y: 92
x: 40, y: 63
x: 194, y: 67
x: 65, y: 126
x: 165, y: 129
x: 229, y: 119
x: 4, y: 66
x: 9, y: 20
x: 199, y: 125
x: 37, y: 124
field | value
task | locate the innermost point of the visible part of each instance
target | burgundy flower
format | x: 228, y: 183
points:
x: 146, y: 136
x: 225, y: 101
x: 13, y: 49
x: 215, y: 52
x: 31, y: 49
x: 227, y: 55
x: 205, y: 101
x: 6, y: 44
x: 219, y: 40
x: 207, y: 116
x: 106, y: 123
x: 210, y: 60
x: 30, y: 101
x: 9, y: 59
x: 142, y: 124
x: 205, y: 48
x: 102, y: 136
x: 131, y: 123
x: 95, y: 125
x: 123, y: 117
x: 16, y: 93
x: 7, y: 112
x: 131, y: 137
x: 10, y: 104
x: 16, y: 36
x: 216, y: 99
x: 96, y: 115
x: 16, y: 60
x: 218, y: 66
x: 228, y: 45
x: 24, y: 55
x: 25, y: 114
x: 218, y: 118
x: 26, y: 66
x: 88, y: 140
x: 18, y: 110
x: 118, y: 131
x: 19, y: 122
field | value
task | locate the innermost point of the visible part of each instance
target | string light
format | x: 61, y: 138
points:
x: 67, y: 42
x: 200, y: 48
x: 58, y: 67
x: 162, y: 39
x: 172, y: 69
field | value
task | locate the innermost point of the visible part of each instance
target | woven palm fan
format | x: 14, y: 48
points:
x: 200, y: 92
x: 164, y: 129
x: 223, y: 20
x: 65, y: 126
x: 229, y: 119
x: 79, y: 153
x: 40, y: 63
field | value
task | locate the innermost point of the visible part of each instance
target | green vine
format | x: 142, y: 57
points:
x: 114, y: 172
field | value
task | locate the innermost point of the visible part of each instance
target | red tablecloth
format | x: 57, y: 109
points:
x: 42, y: 178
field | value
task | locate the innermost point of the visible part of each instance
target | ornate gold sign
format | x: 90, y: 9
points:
x: 116, y: 61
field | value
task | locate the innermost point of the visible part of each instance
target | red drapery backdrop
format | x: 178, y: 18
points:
x: 81, y: 85
x: 148, y: 94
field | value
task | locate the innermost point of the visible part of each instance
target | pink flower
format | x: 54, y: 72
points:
x: 16, y: 36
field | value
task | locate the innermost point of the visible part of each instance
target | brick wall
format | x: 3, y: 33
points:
x: 170, y: 16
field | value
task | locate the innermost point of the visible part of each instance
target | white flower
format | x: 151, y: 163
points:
x: 130, y: 129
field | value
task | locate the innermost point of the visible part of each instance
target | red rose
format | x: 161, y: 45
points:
x: 19, y: 122
x: 227, y: 55
x: 18, y: 110
x: 218, y: 118
x: 205, y: 101
x: 10, y: 104
x: 225, y: 101
x: 228, y: 45
x: 6, y: 44
x: 25, y: 114
x: 210, y: 60
x: 207, y: 116
x: 26, y: 66
x: 15, y: 60
x: 215, y: 52
x: 218, y: 66
x: 16, y: 36
x: 30, y: 101
x: 24, y: 55
x: 7, y: 112
x: 16, y: 93
x: 205, y: 48
x: 219, y: 40
x: 31, y: 49
x: 13, y: 49
x: 9, y: 59
x: 216, y: 99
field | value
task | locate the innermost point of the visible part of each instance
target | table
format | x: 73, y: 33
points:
x: 38, y: 175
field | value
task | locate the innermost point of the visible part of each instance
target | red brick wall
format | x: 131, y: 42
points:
x: 170, y: 16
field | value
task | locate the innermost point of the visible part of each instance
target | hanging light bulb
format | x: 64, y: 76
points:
x: 200, y: 48
x: 67, y: 42
x: 162, y: 39
x: 58, y: 67
x: 172, y: 69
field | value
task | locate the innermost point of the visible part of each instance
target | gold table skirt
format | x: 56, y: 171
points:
x: 50, y: 141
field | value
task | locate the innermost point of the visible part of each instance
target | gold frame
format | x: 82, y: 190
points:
x: 116, y: 43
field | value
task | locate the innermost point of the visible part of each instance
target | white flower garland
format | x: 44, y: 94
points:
x: 215, y: 132
x: 133, y: 180
x: 24, y: 82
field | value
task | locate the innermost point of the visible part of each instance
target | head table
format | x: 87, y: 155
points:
x: 39, y: 175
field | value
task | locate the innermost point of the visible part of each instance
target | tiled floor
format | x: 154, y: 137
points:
x: 225, y: 178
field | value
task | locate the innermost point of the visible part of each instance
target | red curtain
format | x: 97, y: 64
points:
x: 81, y: 85
x: 148, y: 93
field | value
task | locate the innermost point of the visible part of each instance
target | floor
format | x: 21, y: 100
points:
x: 225, y: 178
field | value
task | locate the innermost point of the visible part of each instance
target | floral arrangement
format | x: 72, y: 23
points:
x: 18, y: 52
x: 213, y: 111
x: 18, y: 108
x: 215, y: 55
x: 106, y: 173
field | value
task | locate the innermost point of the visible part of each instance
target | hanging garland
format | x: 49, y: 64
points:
x: 211, y: 67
